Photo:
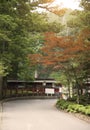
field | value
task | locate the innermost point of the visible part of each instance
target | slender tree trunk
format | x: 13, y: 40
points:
x: 78, y: 95
x: 69, y: 88
x: 77, y: 84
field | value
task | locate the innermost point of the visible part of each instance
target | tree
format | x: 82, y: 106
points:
x: 69, y: 53
x: 85, y: 4
x: 19, y: 22
x: 65, y: 53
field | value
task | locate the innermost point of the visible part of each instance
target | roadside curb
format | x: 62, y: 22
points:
x: 24, y: 98
x: 28, y: 97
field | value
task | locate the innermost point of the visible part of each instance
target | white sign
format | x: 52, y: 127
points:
x: 60, y: 90
x: 88, y: 91
x: 49, y: 90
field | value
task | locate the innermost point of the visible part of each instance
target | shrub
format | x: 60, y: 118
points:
x: 73, y: 107
x: 84, y: 99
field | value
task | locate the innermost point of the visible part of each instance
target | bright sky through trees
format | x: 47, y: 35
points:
x: 73, y: 4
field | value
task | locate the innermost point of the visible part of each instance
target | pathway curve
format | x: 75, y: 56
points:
x: 38, y: 115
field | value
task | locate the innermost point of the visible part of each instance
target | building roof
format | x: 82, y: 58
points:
x: 37, y: 80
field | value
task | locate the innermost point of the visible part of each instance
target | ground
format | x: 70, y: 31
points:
x: 38, y: 115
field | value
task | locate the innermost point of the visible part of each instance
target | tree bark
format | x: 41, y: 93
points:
x: 1, y: 84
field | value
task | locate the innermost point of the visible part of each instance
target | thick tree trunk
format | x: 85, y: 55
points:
x: 1, y: 84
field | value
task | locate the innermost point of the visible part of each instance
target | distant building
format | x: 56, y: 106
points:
x: 37, y: 87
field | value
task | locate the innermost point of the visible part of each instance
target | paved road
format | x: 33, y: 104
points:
x: 38, y: 115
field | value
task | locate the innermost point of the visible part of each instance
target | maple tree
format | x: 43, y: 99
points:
x: 68, y: 54
x: 65, y: 53
x: 58, y: 49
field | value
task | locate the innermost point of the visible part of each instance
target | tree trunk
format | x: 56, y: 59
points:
x: 1, y: 84
x: 78, y: 94
x: 77, y: 84
x: 69, y: 88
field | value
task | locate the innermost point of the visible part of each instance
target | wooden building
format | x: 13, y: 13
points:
x: 36, y: 87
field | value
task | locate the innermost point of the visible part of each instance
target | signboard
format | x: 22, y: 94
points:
x: 88, y: 91
x: 60, y: 90
x: 49, y: 90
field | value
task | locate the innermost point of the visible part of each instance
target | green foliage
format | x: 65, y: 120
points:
x: 21, y: 34
x: 83, y: 99
x: 85, y: 4
x: 62, y: 104
x: 79, y: 19
x: 73, y: 107
x: 3, y: 70
x: 25, y: 71
x: 59, y: 77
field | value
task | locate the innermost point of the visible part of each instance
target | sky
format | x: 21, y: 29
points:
x: 73, y: 4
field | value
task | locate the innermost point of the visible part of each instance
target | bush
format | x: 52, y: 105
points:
x: 84, y: 99
x: 73, y: 107
x: 73, y: 99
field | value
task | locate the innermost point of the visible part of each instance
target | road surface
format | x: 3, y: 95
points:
x: 38, y: 115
